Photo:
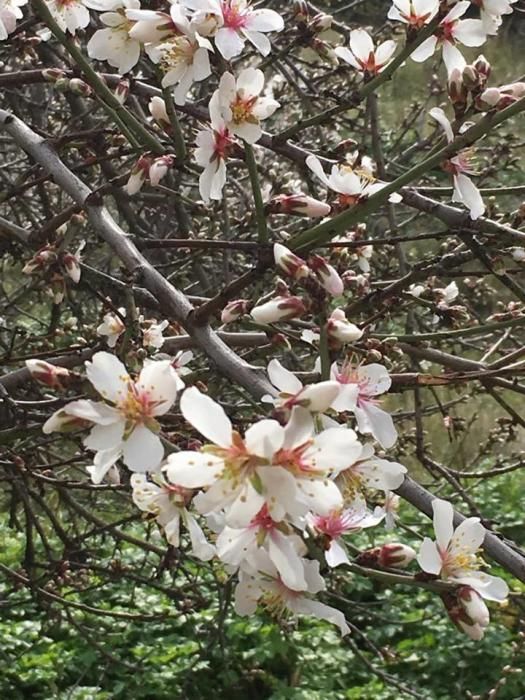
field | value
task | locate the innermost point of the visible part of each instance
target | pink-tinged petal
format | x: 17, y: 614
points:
x: 439, y: 115
x: 193, y: 470
x: 284, y: 556
x: 429, y: 558
x: 453, y: 58
x: 244, y: 507
x: 207, y: 417
x: 102, y: 464
x: 229, y: 42
x: 489, y: 587
x: 105, y: 437
x: 347, y: 398
x: 321, y: 611
x: 465, y: 191
x: 299, y: 428
x: 283, y: 379
x: 336, y: 555
x: 347, y: 56
x: 374, y: 379
x: 109, y: 376
x: 361, y: 44
x: 159, y: 381
x: 143, y: 450
x: 264, y: 438
x: 200, y: 546
x: 265, y: 21
x: 468, y: 537
x: 315, y: 166
x: 424, y: 50
x: 443, y: 522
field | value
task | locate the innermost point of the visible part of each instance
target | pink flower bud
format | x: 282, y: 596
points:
x: 456, y: 89
x: 489, y: 98
x: 299, y: 204
x: 288, y: 262
x: 320, y: 22
x: 234, y: 310
x: 327, y: 275
x: 138, y: 175
x: 469, y: 78
x: 474, y: 605
x: 157, y: 109
x: 340, y: 329
x: 516, y: 90
x: 396, y: 555
x: 483, y: 67
x: 279, y: 309
x: 159, y: 168
x: 49, y: 375
x: 122, y: 90
x: 71, y: 265
x: 53, y: 74
x: 80, y: 87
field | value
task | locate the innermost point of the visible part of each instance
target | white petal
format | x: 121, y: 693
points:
x: 200, y: 546
x: 283, y: 379
x: 143, y: 450
x: 108, y: 375
x: 287, y: 562
x: 264, y: 438
x: 424, y: 50
x: 322, y: 612
x: 193, y: 469
x: 336, y: 555
x: 465, y: 191
x: 229, y: 43
x: 102, y: 464
x: 439, y: 115
x: 159, y: 381
x: 443, y: 522
x: 361, y: 44
x: 468, y: 536
x: 372, y: 419
x: 428, y: 557
x: 207, y: 417
x: 265, y: 21
x: 299, y: 428
x: 105, y: 437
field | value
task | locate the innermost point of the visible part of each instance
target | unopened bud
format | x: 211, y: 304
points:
x: 340, y: 329
x: 288, y: 262
x: 122, y: 90
x: 474, y: 605
x: 157, y: 109
x: 138, y: 175
x: 470, y: 77
x: 62, y: 84
x: 395, y: 555
x: 483, y: 67
x: 279, y: 309
x: 320, y: 22
x: 301, y: 11
x: 327, y: 275
x: 51, y: 75
x: 47, y: 374
x: 488, y: 99
x: 457, y: 90
x: 79, y: 87
x: 299, y: 204
x: 234, y: 310
x: 159, y: 168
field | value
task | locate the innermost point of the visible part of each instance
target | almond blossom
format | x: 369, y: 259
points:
x: 241, y: 106
x: 492, y: 12
x: 114, y: 43
x: 468, y: 611
x: 358, y: 391
x: 289, y: 262
x: 124, y: 424
x: 460, y: 167
x: 314, y: 397
x: 10, y: 12
x: 231, y: 22
x: 169, y: 505
x: 286, y: 469
x: 415, y: 13
x: 152, y: 336
x: 453, y: 556
x: 362, y: 54
x: 452, y: 30
x: 184, y: 60
x: 214, y: 144
x: 70, y: 15
x: 280, y: 308
x: 112, y: 327
x: 261, y: 584
x: 352, y: 185
x: 369, y: 472
x: 344, y: 521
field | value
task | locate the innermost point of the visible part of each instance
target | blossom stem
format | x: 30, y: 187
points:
x: 262, y: 227
x: 324, y: 352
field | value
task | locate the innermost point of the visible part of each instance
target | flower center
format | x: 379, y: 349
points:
x: 234, y: 16
x: 242, y: 110
x: 179, y: 50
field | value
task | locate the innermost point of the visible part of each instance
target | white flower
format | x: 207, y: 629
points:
x: 314, y: 397
x: 151, y: 27
x: 213, y: 147
x: 415, y: 13
x: 352, y: 185
x: 285, y: 469
x: 340, y: 329
x: 492, y: 11
x: 341, y: 522
x: 9, y: 12
x: 112, y: 327
x: 370, y: 472
x: 70, y: 15
x: 241, y: 106
x: 168, y: 504
x: 465, y: 191
x: 114, y: 43
x: 260, y: 583
x: 453, y: 30
x: 234, y: 545
x: 231, y: 22
x: 125, y: 425
x: 359, y: 388
x: 362, y: 54
x: 184, y: 60
x: 152, y: 336
x: 453, y: 555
